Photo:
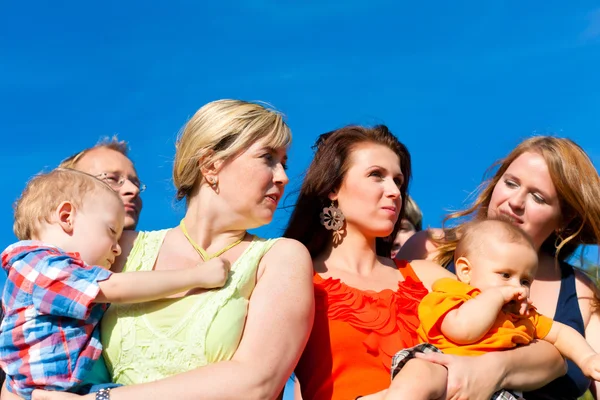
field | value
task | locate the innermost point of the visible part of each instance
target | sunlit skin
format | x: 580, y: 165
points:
x: 255, y: 203
x: 526, y: 194
x: 498, y: 264
x: 369, y: 195
x: 104, y: 160
x: 100, y: 216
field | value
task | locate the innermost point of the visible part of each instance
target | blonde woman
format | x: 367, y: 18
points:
x: 241, y: 341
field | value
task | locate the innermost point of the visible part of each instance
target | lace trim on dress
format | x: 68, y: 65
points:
x: 174, y: 354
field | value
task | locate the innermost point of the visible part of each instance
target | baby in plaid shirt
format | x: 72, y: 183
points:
x: 59, y: 284
x: 486, y: 309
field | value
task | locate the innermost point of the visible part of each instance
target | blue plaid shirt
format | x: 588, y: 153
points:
x: 49, y: 337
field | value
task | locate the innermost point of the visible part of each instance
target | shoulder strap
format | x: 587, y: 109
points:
x: 406, y: 270
x: 144, y: 252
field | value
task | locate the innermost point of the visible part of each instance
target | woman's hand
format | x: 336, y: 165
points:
x: 472, y: 378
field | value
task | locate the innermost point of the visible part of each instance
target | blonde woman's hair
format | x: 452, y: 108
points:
x: 578, y: 189
x: 112, y: 143
x: 44, y: 193
x: 220, y: 130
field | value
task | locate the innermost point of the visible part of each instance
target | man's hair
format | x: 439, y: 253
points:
x: 112, y: 143
x: 44, y: 193
x: 477, y: 233
x: 413, y: 213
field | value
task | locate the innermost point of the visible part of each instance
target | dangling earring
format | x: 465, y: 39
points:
x: 332, y: 218
x: 558, y: 237
x: 213, y: 183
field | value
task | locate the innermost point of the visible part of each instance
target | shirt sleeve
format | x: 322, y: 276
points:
x: 61, y: 285
x: 541, y: 323
x: 447, y: 294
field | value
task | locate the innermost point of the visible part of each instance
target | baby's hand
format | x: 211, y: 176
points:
x: 510, y: 293
x: 515, y: 299
x: 213, y: 273
x: 591, y: 366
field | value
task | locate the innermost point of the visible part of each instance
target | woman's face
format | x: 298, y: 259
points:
x: 526, y: 194
x: 252, y: 184
x: 369, y: 196
x: 407, y: 229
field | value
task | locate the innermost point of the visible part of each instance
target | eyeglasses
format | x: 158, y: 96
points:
x: 116, y: 182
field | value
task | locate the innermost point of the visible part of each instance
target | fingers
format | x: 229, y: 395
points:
x: 436, y: 358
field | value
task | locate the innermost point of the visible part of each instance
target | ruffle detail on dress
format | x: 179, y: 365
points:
x: 389, y: 318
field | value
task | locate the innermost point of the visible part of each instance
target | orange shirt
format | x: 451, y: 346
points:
x: 509, y: 329
x: 355, y: 335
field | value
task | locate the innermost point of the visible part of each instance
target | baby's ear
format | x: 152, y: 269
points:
x: 66, y: 216
x: 463, y: 270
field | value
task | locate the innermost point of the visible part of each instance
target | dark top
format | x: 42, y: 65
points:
x: 574, y: 383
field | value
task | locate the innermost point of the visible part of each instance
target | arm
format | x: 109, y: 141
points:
x: 429, y: 272
x: 574, y: 346
x: 279, y: 321
x: 529, y: 367
x: 419, y: 246
x: 524, y: 368
x: 471, y: 321
x: 588, y: 296
x: 592, y: 333
x: 6, y: 395
x: 137, y: 287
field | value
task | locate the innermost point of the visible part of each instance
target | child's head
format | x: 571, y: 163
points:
x: 493, y: 253
x: 74, y: 211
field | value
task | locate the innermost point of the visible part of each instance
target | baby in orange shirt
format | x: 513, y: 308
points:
x: 486, y: 309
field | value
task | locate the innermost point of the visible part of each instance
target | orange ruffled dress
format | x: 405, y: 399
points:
x: 355, y: 335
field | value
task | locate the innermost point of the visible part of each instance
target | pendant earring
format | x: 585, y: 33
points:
x: 213, y: 183
x: 332, y: 218
x: 558, y: 237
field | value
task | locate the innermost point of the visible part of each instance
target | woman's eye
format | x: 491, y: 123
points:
x: 538, y: 199
x: 376, y: 174
x: 510, y: 183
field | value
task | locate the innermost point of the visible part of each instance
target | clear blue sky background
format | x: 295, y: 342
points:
x: 460, y: 83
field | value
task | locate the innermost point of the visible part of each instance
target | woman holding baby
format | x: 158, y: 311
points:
x: 244, y: 339
x: 549, y: 188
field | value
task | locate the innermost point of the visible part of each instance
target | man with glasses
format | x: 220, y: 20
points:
x: 108, y: 161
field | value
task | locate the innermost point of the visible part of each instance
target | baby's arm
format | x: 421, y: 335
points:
x: 471, y: 321
x: 138, y: 287
x: 574, y: 346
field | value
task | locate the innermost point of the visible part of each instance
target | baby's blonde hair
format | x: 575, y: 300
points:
x: 474, y: 235
x: 44, y: 193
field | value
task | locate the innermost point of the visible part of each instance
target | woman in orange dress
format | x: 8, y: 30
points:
x: 348, y: 211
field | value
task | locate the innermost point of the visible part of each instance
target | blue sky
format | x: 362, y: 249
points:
x: 460, y: 83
